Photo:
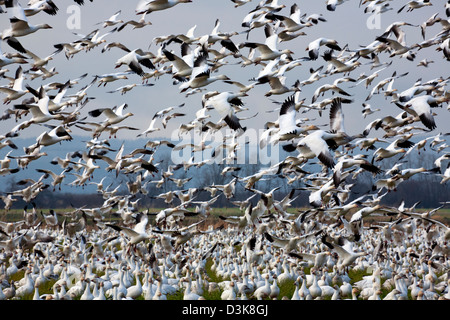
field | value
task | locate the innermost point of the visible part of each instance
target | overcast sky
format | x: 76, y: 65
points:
x: 347, y: 25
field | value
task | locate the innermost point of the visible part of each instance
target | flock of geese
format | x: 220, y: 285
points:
x: 151, y: 255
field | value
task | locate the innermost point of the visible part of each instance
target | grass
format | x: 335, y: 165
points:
x: 286, y: 289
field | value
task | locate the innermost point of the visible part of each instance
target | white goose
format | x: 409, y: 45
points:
x: 314, y: 46
x: 201, y: 74
x: 134, y: 59
x: 223, y: 104
x: 148, y: 6
x: 47, y: 138
x: 138, y: 233
x: 268, y: 50
x: 19, y: 25
x: 17, y: 90
x: 112, y: 21
x: 114, y: 115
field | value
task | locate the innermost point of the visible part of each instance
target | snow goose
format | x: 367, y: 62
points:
x: 134, y: 59
x: 415, y: 4
x: 318, y: 260
x: 48, y: 138
x: 318, y: 143
x: 291, y: 23
x: 327, y: 87
x: 28, y: 287
x: 8, y: 59
x: 345, y: 162
x: 277, y: 85
x: 397, y: 48
x: 201, y: 74
x: 314, y: 46
x: 398, y: 146
x: 268, y: 50
x: 91, y: 40
x: 346, y: 258
x: 148, y: 6
x: 70, y: 49
x: 421, y: 107
x: 188, y: 293
x: 38, y: 61
x: 181, y: 65
x: 314, y: 289
x: 17, y: 90
x: 367, y: 110
x: 337, y: 65
x: 112, y: 21
x: 135, y: 291
x: 36, y: 6
x: 263, y: 291
x: 19, y: 25
x: 332, y: 4
x: 136, y: 24
x: 114, y: 115
x: 104, y: 79
x: 138, y: 233
x: 223, y: 104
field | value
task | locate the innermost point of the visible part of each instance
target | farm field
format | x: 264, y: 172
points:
x: 259, y: 150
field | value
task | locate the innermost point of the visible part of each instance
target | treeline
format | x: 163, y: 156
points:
x: 429, y: 192
x: 424, y: 188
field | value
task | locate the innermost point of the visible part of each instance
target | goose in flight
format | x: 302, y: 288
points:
x: 318, y: 142
x: 148, y: 6
x: 17, y: 90
x: 104, y: 79
x: 346, y: 256
x: 268, y: 50
x: 201, y: 74
x: 48, y: 138
x: 421, y: 107
x: 136, y: 24
x: 398, y: 146
x: 135, y: 59
x: 19, y: 26
x: 287, y: 123
x: 114, y: 115
x: 314, y: 46
x: 40, y: 111
x: 415, y: 4
x: 332, y: 4
x: 223, y: 104
x: 136, y: 234
x: 291, y: 23
x: 112, y: 21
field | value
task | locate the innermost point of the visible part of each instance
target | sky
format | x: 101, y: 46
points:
x: 348, y: 25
